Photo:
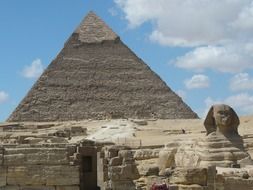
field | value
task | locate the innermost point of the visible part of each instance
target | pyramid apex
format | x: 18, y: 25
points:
x: 94, y: 30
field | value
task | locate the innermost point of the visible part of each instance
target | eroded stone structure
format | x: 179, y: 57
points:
x: 222, y: 146
x: 216, y: 161
x: 69, y: 155
x: 96, y: 76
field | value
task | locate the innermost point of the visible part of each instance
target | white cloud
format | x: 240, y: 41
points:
x: 230, y: 58
x: 244, y: 20
x: 3, y: 97
x: 241, y: 81
x: 220, y: 30
x: 34, y: 70
x: 197, y: 81
x: 242, y: 103
x: 191, y: 22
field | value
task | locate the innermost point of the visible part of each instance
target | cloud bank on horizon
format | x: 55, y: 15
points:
x: 218, y: 32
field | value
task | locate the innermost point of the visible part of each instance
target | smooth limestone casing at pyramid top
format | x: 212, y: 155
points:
x: 96, y: 76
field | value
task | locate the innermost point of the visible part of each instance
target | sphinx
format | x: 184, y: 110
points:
x: 221, y: 146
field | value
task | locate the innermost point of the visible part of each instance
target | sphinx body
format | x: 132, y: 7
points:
x: 222, y: 146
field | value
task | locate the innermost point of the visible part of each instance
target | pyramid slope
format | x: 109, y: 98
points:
x: 92, y: 80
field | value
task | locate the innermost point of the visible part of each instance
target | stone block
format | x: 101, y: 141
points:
x: 9, y: 187
x: 1, y: 155
x: 1, y: 159
x: 166, y: 158
x: 148, y: 170
x: 62, y: 175
x: 145, y: 154
x: 74, y: 187
x: 37, y: 188
x: 234, y: 183
x: 189, y: 176
x: 40, y: 175
x: 122, y: 185
x: 186, y: 187
x: 3, y: 172
x: 125, y: 154
x: 112, y: 152
x: 14, y: 160
x: 35, y: 156
x: 129, y: 172
x: 29, y: 175
x: 186, y: 157
x: 114, y: 172
x: 116, y: 161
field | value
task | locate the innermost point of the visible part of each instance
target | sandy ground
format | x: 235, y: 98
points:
x: 129, y: 132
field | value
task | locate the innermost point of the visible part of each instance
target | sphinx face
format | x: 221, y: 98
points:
x: 223, y: 116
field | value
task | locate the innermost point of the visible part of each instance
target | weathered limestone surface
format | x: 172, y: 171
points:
x: 30, y: 175
x: 67, y: 187
x: 37, y: 188
x: 189, y: 176
x: 27, y: 188
x: 188, y: 187
x: 143, y: 154
x: 3, y: 172
x: 214, y: 149
x: 10, y: 188
x: 195, y: 160
x: 41, y: 175
x: 121, y: 170
x: 1, y: 155
x: 166, y: 158
x: 35, y: 156
x: 94, y: 80
x: 238, y: 183
x: 93, y: 30
x: 62, y: 175
x: 122, y: 185
x: 222, y: 146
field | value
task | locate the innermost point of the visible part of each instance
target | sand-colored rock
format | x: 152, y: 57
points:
x: 145, y: 158
x: 189, y: 176
x: 10, y: 187
x: 30, y: 175
x: 62, y: 175
x: 35, y: 156
x: 222, y: 146
x: 43, y: 175
x: 67, y: 188
x: 36, y: 188
x: 166, y: 158
x: 3, y: 179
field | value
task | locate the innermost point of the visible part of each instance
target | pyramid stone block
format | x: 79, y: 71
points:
x: 96, y: 76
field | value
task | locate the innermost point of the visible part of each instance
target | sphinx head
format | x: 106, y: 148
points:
x: 222, y: 118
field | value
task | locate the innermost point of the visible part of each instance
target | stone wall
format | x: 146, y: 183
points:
x: 38, y: 167
x: 119, y: 169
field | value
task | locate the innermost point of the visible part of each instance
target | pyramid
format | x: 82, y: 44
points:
x: 96, y: 76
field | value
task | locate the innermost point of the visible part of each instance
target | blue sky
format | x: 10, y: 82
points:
x: 203, y: 50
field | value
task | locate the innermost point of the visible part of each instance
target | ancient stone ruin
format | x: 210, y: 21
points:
x: 98, y: 119
x: 96, y: 76
x: 215, y: 161
x: 222, y: 146
x: 117, y: 154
